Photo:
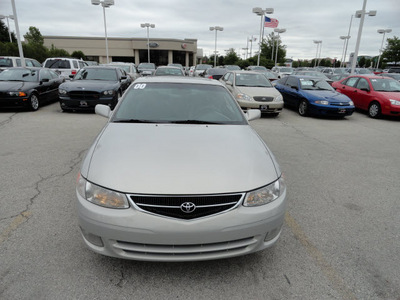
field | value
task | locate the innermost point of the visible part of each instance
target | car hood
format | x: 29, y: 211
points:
x: 258, y: 91
x: 325, y: 95
x: 9, y: 86
x: 179, y: 159
x: 97, y: 85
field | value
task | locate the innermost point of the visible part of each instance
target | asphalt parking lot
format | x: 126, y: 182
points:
x: 341, y: 238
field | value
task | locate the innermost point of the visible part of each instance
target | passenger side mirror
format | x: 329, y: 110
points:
x: 229, y: 82
x: 103, y: 110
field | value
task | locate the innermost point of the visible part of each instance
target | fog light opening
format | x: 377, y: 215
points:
x: 272, y: 234
x: 92, y: 238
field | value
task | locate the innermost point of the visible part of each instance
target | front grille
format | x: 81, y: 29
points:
x: 84, y: 95
x: 196, y: 206
x: 263, y: 98
x: 340, y: 103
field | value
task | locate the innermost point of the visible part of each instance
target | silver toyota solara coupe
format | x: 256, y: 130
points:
x: 178, y: 174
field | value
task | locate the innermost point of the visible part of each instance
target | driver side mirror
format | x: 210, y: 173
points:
x: 229, y: 83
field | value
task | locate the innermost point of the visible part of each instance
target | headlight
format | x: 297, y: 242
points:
x: 62, y: 92
x: 394, y: 102
x: 266, y: 194
x: 108, y: 93
x: 322, y: 102
x: 17, y: 94
x: 244, y: 97
x: 351, y: 103
x: 99, y: 195
x: 278, y: 99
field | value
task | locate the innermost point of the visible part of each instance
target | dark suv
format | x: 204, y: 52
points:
x: 394, y: 70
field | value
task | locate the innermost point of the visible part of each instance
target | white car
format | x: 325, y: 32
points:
x: 200, y: 69
x: 15, y: 61
x: 67, y: 67
x: 282, y: 71
x: 178, y: 174
x: 253, y: 90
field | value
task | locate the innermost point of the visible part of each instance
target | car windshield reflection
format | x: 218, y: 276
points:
x: 253, y: 80
x: 174, y: 103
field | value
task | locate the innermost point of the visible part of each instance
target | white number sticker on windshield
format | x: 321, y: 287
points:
x: 139, y: 86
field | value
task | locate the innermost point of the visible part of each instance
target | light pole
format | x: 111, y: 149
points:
x: 148, y: 26
x: 105, y: 4
x: 8, y: 24
x: 345, y: 38
x: 277, y: 42
x: 382, y: 31
x: 261, y: 12
x: 216, y: 28
x: 317, y: 56
x: 360, y: 14
x: 20, y: 50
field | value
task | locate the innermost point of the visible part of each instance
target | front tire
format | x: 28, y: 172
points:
x: 303, y: 108
x: 34, y: 102
x: 374, y: 110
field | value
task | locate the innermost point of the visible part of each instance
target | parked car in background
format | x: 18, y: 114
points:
x: 376, y: 94
x: 198, y: 69
x: 394, y: 70
x: 146, y: 69
x: 135, y: 198
x: 395, y: 76
x: 256, y: 68
x: 361, y: 71
x: 214, y: 73
x: 253, y: 90
x: 169, y: 71
x: 91, y: 63
x: 129, y: 68
x: 15, y: 61
x: 232, y: 67
x: 282, y: 71
x: 67, y: 67
x: 176, y: 65
x: 28, y: 87
x: 316, y: 74
x: 330, y: 72
x: 271, y: 76
x: 339, y: 77
x: 92, y: 86
x: 313, y: 96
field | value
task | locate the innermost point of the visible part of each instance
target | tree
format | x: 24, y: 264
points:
x: 34, y: 37
x: 4, y: 33
x: 231, y: 57
x: 56, y: 52
x: 392, y: 50
x: 268, y: 48
x: 78, y: 54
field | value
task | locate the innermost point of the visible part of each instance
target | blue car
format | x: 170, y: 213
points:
x: 313, y: 96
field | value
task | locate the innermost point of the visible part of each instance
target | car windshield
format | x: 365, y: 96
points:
x: 315, y: 84
x: 57, y: 64
x: 126, y: 68
x: 96, y: 74
x: 19, y: 75
x: 149, y: 66
x: 385, y: 85
x: 254, y: 80
x: 364, y: 71
x: 233, y: 67
x: 178, y: 103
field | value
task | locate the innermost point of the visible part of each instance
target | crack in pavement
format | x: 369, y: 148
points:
x: 8, y: 120
x: 23, y: 216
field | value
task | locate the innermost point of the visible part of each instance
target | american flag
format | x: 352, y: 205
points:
x: 271, y: 22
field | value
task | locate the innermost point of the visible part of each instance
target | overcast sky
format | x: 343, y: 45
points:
x: 304, y: 21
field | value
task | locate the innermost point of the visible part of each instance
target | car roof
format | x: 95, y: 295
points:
x: 243, y: 72
x: 177, y: 79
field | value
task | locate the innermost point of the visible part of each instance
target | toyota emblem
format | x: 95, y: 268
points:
x: 188, y: 207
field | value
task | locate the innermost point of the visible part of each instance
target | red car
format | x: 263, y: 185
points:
x: 376, y: 94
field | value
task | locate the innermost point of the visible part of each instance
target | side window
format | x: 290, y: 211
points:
x: 292, y: 82
x: 351, y: 81
x: 35, y: 63
x: 226, y: 76
x: 75, y: 63
x: 362, y: 84
x: 18, y: 61
x: 28, y: 63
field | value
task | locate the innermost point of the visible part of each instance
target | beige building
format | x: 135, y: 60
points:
x: 162, y: 51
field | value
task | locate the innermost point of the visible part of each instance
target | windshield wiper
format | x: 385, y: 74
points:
x: 133, y: 121
x: 194, y: 122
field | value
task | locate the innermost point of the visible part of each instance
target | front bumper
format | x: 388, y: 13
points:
x: 9, y: 102
x: 265, y: 107
x: 67, y: 103
x: 136, y: 235
x: 331, y: 110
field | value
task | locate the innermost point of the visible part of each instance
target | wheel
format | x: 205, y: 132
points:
x: 303, y: 108
x: 374, y: 110
x: 34, y: 102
